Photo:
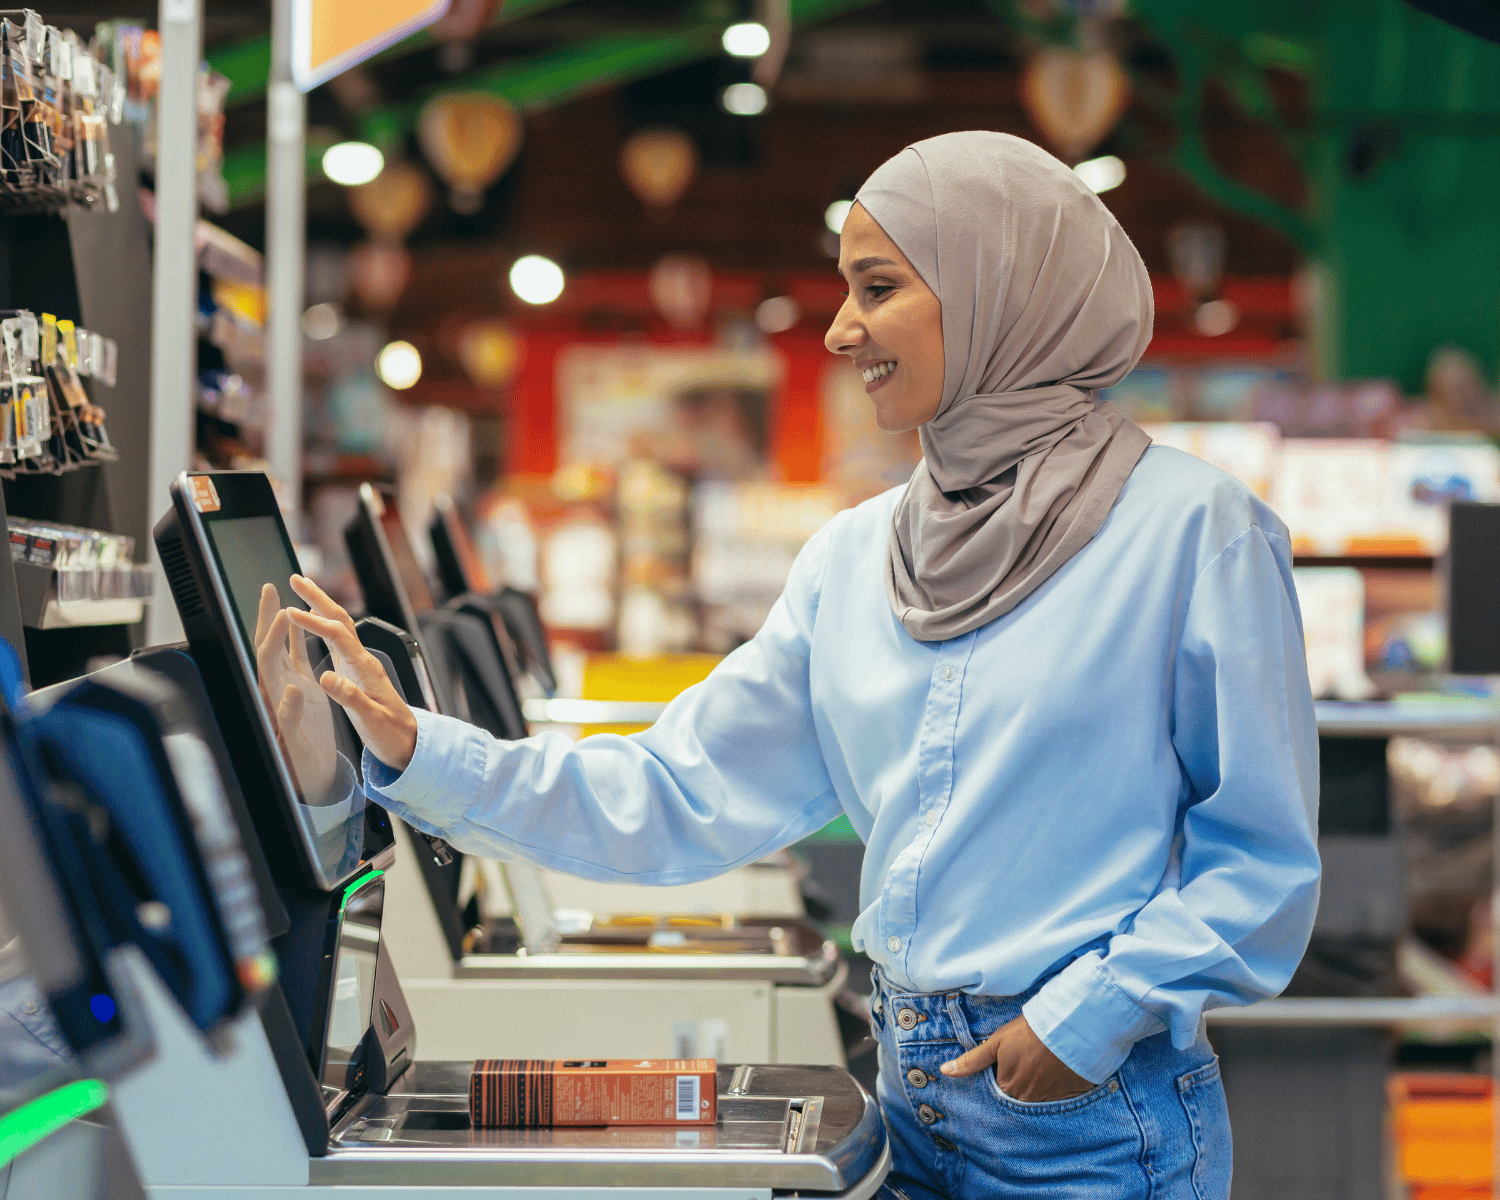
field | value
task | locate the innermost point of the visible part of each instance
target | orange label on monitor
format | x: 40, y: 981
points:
x: 205, y: 495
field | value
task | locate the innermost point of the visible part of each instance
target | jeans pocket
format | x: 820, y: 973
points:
x: 1202, y: 1094
x: 1043, y: 1108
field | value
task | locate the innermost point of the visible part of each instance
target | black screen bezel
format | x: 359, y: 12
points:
x: 243, y: 494
x: 374, y: 561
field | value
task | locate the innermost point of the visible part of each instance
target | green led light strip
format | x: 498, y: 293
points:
x: 26, y: 1126
x: 355, y: 886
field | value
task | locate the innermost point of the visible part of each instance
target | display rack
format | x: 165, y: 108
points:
x: 91, y: 267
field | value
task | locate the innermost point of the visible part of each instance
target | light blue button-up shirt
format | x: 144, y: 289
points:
x: 1117, y: 778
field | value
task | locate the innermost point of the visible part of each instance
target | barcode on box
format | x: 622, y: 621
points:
x: 687, y: 1097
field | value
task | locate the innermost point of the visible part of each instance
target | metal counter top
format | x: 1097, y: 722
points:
x: 802, y: 1128
x: 787, y: 951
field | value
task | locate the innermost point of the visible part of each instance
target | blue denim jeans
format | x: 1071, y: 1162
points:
x: 1157, y: 1129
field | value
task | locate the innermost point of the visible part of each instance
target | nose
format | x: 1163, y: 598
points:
x: 847, y: 333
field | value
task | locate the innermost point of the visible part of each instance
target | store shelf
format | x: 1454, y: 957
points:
x: 594, y: 712
x: 1331, y: 1011
x: 68, y: 599
x: 1441, y: 717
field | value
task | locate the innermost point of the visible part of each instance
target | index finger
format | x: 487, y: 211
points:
x: 321, y: 602
x: 269, y: 646
x: 270, y: 601
x: 341, y: 637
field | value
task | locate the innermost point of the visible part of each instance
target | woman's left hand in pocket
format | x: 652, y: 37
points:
x: 1024, y: 1068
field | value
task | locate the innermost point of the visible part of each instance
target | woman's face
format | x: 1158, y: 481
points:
x: 891, y: 326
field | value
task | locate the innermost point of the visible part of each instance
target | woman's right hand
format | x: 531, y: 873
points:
x: 380, y: 716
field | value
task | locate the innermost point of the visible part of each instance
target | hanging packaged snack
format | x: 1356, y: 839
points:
x: 23, y: 388
x: 56, y: 104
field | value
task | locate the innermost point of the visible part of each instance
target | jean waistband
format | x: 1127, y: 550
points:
x: 880, y: 987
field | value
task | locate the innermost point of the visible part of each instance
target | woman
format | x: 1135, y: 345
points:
x: 1073, y: 727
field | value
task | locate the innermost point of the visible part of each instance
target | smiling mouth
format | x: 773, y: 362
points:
x: 876, y: 375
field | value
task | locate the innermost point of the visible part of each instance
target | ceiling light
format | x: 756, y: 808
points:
x: 536, y: 280
x: 748, y: 39
x: 777, y: 314
x: 1101, y: 174
x: 1216, y: 318
x: 836, y: 214
x: 352, y: 163
x: 744, y: 99
x: 399, y: 365
x: 322, y: 321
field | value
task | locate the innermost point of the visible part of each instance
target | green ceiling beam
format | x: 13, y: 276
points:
x: 245, y: 169
x: 247, y: 64
x: 535, y: 84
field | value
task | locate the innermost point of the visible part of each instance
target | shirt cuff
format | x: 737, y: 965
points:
x: 1083, y: 1017
x: 446, y: 772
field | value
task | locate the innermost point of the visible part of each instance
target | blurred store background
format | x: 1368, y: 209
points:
x: 569, y: 262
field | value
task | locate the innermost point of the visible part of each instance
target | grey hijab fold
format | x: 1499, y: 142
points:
x: 1044, y: 300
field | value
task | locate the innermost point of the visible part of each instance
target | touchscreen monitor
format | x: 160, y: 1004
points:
x: 394, y: 585
x: 458, y: 561
x: 229, y: 559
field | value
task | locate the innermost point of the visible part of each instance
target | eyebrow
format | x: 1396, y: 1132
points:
x: 864, y: 264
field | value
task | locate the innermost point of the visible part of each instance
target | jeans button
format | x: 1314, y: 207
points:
x: 942, y: 1143
x: 927, y: 1114
x: 917, y: 1077
x: 907, y: 1018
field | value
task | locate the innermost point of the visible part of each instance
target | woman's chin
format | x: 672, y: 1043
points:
x: 892, y: 420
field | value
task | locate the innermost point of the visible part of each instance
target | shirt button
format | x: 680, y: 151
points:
x: 932, y: 816
x: 917, y: 1077
x: 28, y: 1007
x: 893, y: 943
x: 948, y: 674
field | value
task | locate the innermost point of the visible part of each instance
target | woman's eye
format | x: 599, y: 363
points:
x: 877, y: 290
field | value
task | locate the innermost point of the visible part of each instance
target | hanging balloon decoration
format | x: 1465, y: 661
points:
x: 1073, y: 98
x: 470, y: 139
x: 680, y: 286
x: 379, y: 273
x: 392, y: 204
x: 489, y: 352
x: 658, y: 164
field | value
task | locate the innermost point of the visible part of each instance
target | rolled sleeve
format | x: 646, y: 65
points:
x: 1083, y: 1017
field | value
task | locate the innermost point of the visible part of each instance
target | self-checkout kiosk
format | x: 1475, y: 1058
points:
x: 123, y: 876
x: 694, y: 982
x: 58, y: 1059
x: 461, y: 572
x: 341, y: 1060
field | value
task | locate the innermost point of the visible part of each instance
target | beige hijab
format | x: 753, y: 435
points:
x: 1044, y: 300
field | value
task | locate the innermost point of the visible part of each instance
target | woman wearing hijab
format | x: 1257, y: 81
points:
x: 1056, y: 683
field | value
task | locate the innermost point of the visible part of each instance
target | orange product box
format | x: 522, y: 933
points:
x: 1444, y: 1133
x: 527, y: 1092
